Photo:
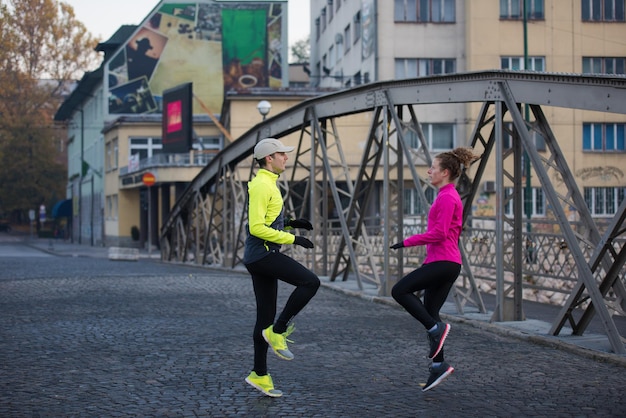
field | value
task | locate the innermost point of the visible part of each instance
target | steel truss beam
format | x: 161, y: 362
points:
x: 555, y: 162
x: 207, y: 223
x: 605, y: 253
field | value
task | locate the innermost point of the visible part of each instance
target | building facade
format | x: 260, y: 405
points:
x: 114, y: 115
x: 361, y: 41
x: 114, y: 123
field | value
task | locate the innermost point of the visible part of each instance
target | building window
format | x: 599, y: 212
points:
x: 411, y: 67
x: 116, y: 153
x: 603, y: 137
x: 604, y: 65
x: 112, y: 208
x: 317, y: 29
x: 424, y: 11
x: 339, y: 46
x: 442, y: 11
x: 517, y: 63
x: 347, y: 37
x: 112, y: 155
x: 323, y: 19
x: 413, y: 205
x: 331, y: 11
x: 357, y: 26
x: 439, y: 136
x: 603, y: 201
x: 441, y: 66
x: 405, y: 11
x: 513, y: 9
x: 405, y: 68
x: 538, y: 201
x: 108, y: 157
x: 603, y: 10
x: 143, y: 148
x: 318, y: 73
x: 211, y: 143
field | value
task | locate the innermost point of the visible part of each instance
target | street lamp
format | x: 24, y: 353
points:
x: 264, y: 108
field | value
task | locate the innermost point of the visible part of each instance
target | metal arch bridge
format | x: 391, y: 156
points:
x: 207, y: 223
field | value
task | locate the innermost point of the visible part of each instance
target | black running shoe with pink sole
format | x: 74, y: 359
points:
x: 437, y: 338
x: 437, y: 375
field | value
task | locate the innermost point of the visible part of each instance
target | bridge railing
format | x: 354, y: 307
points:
x: 549, y: 270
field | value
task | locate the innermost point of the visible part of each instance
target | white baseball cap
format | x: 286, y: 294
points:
x: 268, y: 146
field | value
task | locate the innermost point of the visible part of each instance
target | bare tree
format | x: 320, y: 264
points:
x: 301, y: 51
x: 43, y: 50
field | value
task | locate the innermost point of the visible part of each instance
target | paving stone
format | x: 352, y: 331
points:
x: 88, y: 337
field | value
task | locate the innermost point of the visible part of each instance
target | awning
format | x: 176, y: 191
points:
x: 62, y: 209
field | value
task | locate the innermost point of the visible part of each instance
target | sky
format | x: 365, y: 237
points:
x: 103, y: 18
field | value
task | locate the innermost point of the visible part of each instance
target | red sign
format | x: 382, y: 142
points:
x: 174, y: 116
x: 148, y: 179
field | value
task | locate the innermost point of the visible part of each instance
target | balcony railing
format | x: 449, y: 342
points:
x: 194, y: 159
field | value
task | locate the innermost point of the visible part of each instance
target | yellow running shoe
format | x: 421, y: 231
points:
x: 264, y: 384
x: 278, y: 342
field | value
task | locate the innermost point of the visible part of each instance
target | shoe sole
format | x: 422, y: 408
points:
x: 439, y: 379
x: 441, y: 341
x: 275, y: 393
x: 282, y: 356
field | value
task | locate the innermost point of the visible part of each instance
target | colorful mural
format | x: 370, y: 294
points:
x: 218, y: 46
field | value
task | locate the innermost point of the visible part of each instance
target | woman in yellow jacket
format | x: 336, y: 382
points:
x: 263, y: 259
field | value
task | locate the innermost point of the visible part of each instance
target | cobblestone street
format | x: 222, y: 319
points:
x: 87, y: 337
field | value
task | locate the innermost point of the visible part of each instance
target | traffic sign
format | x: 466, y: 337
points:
x: 148, y: 179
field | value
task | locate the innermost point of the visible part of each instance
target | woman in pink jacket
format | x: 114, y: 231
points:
x: 442, y: 264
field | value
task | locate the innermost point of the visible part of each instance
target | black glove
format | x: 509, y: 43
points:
x: 397, y: 245
x: 303, y: 242
x: 300, y: 223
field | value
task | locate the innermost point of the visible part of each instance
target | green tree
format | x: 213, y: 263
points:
x: 43, y: 49
x: 301, y: 51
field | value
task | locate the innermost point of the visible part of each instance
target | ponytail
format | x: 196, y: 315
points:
x: 457, y: 160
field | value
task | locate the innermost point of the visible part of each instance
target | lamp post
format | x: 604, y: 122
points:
x: 264, y: 108
x: 528, y: 198
x: 80, y: 175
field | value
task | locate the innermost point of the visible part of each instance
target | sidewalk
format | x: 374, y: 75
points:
x: 535, y: 328
x: 66, y: 248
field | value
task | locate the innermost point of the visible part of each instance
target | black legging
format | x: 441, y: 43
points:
x: 265, y: 275
x: 436, y: 280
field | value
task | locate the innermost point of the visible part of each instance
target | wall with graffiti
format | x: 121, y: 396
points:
x: 216, y: 45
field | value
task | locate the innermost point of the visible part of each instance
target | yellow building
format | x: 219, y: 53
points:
x: 561, y: 38
x: 363, y: 41
x: 133, y: 150
x: 130, y: 203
